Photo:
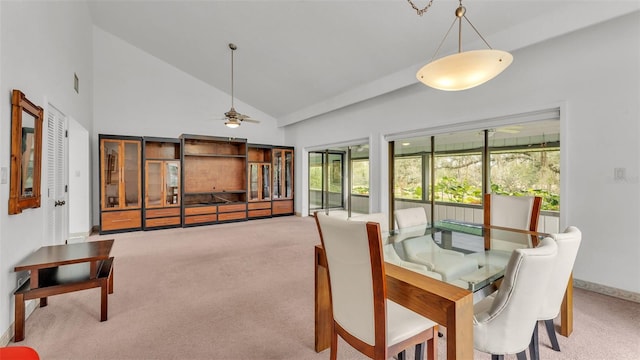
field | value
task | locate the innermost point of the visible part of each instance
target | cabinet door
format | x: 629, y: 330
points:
x: 111, y: 173
x: 154, y: 186
x: 130, y: 196
x: 288, y: 174
x: 172, y: 183
x: 254, y: 182
x: 277, y: 174
x: 265, y: 181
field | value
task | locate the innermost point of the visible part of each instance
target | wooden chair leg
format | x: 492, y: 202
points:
x: 551, y: 331
x: 402, y: 355
x: 432, y: 346
x: 419, y: 355
x: 19, y: 318
x: 334, y: 345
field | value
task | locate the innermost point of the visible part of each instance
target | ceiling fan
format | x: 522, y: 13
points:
x: 232, y: 118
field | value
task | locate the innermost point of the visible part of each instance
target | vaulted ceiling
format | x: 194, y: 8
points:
x: 299, y: 59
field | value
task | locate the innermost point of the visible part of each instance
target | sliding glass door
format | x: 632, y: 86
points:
x: 326, y: 186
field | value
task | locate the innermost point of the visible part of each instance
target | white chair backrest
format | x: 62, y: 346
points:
x: 511, y: 211
x: 568, y: 245
x: 380, y: 218
x: 411, y: 217
x: 508, y: 325
x: 346, y: 246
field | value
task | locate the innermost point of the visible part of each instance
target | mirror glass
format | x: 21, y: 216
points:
x: 26, y: 153
x: 28, y: 147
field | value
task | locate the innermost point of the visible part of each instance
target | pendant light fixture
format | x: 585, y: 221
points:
x: 463, y: 70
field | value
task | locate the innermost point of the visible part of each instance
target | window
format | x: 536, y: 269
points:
x: 523, y: 159
x: 360, y: 176
x: 458, y: 178
x: 409, y: 179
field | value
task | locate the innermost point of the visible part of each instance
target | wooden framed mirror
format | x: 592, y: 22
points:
x: 26, y: 153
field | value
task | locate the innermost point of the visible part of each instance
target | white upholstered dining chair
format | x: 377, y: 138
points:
x: 568, y: 244
x: 515, y: 212
x: 421, y: 249
x: 362, y: 314
x: 504, y: 322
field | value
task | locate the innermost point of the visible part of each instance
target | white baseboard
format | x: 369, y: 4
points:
x: 30, y: 307
x: 607, y: 290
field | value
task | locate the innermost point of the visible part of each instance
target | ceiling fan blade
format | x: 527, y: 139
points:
x: 251, y: 120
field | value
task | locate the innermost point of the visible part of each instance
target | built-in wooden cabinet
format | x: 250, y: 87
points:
x: 162, y: 190
x: 214, y: 178
x: 120, y: 183
x: 155, y: 183
x: 259, y: 181
x: 282, y: 203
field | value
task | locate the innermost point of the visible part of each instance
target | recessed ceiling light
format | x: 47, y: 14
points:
x: 406, y: 144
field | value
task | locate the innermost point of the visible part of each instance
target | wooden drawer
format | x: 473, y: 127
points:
x: 260, y: 213
x: 260, y: 205
x: 198, y: 210
x: 117, y: 220
x: 232, y: 216
x: 283, y: 207
x: 166, y: 221
x: 230, y: 208
x: 154, y: 213
x: 197, y: 219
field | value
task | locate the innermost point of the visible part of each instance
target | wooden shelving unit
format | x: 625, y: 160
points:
x: 259, y: 181
x: 120, y: 183
x: 282, y: 202
x: 214, y: 173
x: 162, y: 196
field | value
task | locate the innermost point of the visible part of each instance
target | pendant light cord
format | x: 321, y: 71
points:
x: 423, y: 10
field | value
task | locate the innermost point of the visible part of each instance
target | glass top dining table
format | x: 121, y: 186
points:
x: 463, y: 263
x: 467, y: 255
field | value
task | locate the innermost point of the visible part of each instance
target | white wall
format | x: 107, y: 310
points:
x: 138, y: 94
x: 79, y: 181
x: 593, y: 75
x: 42, y: 44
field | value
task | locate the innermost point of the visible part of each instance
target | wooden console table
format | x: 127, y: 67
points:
x: 61, y: 269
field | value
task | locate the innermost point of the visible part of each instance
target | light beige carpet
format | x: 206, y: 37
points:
x: 245, y: 291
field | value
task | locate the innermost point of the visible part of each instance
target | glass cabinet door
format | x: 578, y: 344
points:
x: 153, y: 178
x: 254, y: 181
x: 259, y: 182
x: 277, y: 174
x: 131, y: 175
x: 266, y: 181
x: 111, y: 156
x: 172, y: 183
x: 288, y: 174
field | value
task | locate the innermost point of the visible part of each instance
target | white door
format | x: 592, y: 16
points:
x: 57, y: 209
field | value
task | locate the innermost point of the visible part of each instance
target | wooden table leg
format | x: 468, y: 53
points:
x: 566, y: 310
x: 19, y: 318
x: 104, y: 298
x: 323, y: 317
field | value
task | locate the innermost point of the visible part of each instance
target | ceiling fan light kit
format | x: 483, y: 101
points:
x: 232, y: 117
x: 463, y: 70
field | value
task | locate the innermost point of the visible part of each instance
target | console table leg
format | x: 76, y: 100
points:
x: 19, y: 318
x: 104, y: 290
x: 43, y: 302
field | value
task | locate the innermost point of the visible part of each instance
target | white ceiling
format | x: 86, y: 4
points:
x: 299, y: 59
